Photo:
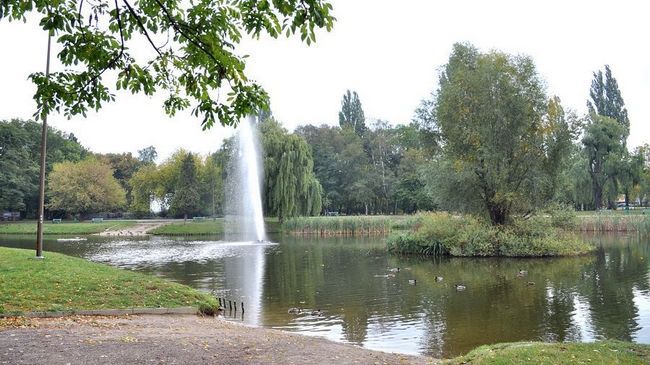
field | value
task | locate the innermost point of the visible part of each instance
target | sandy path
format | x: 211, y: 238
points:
x: 174, y: 339
x: 140, y: 229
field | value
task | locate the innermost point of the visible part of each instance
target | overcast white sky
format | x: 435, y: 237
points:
x: 388, y: 51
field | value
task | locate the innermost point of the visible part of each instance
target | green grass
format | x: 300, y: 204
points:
x: 63, y: 228
x: 344, y: 225
x: 63, y: 283
x: 205, y: 228
x: 606, y: 352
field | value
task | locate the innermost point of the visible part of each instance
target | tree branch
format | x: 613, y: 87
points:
x: 141, y: 25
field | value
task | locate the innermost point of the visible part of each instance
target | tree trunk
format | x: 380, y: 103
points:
x: 598, y: 193
x: 185, y: 218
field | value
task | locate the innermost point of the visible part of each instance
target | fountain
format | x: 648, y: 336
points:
x: 244, y: 217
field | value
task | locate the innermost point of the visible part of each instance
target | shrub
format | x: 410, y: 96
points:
x: 445, y: 234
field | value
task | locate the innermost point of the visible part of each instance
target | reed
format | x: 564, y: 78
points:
x: 343, y: 225
x: 603, y: 222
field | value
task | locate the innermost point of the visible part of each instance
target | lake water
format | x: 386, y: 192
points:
x: 604, y: 295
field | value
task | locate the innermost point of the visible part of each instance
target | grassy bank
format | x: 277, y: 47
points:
x: 60, y: 283
x: 205, y: 227
x: 29, y: 227
x: 344, y: 225
x: 606, y: 352
x: 445, y: 234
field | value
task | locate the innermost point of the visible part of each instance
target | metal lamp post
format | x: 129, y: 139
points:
x: 41, y: 193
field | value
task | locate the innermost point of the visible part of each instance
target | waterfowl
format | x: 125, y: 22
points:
x: 294, y: 310
x: 317, y: 313
x: 522, y: 273
x: 438, y: 278
x: 530, y: 283
x: 412, y: 281
x: 460, y: 287
x: 395, y: 269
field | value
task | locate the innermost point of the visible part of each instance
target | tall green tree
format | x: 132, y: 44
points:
x: 185, y: 200
x: 84, y: 187
x: 606, y: 99
x: 351, y: 114
x: 290, y: 186
x: 490, y: 109
x: 193, y: 50
x: 604, y: 150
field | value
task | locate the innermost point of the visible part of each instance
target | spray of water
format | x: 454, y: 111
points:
x: 244, y: 217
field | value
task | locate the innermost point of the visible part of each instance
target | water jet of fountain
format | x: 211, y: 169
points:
x: 244, y: 216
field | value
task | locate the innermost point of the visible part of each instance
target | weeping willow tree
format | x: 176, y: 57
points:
x: 290, y: 186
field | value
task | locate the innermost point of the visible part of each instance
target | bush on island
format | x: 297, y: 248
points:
x: 445, y: 234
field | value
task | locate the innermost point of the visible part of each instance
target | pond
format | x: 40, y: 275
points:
x: 604, y: 295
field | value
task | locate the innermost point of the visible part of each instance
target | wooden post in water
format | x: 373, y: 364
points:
x: 242, y: 308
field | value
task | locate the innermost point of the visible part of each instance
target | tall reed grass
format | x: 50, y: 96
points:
x: 344, y: 225
x: 603, y: 222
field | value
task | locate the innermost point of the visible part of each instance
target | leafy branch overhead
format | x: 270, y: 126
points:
x: 192, y: 50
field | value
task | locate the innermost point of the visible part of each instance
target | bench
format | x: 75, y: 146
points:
x: 56, y: 220
x: 97, y: 220
x: 198, y: 218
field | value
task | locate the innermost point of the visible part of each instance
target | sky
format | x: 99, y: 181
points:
x: 390, y: 52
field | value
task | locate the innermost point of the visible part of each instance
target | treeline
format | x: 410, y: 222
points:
x: 488, y: 141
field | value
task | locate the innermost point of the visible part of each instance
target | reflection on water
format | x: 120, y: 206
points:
x: 604, y: 295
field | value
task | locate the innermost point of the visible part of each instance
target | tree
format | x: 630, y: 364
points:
x: 290, y: 186
x: 84, y: 187
x: 490, y: 110
x: 193, y: 46
x: 351, y: 114
x: 604, y: 150
x: 124, y: 165
x: 186, y: 193
x: 147, y: 155
x: 606, y: 99
x: 630, y: 173
x: 144, y: 188
x: 19, y: 159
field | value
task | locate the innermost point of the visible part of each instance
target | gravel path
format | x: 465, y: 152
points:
x: 172, y: 339
x: 140, y: 229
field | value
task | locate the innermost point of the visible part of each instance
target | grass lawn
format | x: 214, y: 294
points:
x: 205, y: 228
x: 29, y: 227
x: 607, y: 352
x: 60, y: 283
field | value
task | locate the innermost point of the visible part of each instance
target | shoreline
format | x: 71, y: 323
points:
x: 186, y: 339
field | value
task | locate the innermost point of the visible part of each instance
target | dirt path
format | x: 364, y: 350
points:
x: 173, y: 340
x: 140, y: 229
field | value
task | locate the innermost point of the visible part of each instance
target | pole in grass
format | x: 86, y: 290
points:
x: 41, y: 191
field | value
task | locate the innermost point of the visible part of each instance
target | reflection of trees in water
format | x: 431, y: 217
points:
x: 331, y: 274
x: 620, y: 268
x: 497, y: 306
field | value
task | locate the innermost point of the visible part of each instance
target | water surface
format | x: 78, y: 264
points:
x: 604, y: 295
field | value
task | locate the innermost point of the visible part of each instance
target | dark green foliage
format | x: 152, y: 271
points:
x: 147, y: 155
x: 290, y: 186
x: 19, y: 162
x: 124, y: 165
x: 604, y: 150
x: 193, y: 45
x: 185, y: 200
x: 351, y: 115
x: 606, y: 99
